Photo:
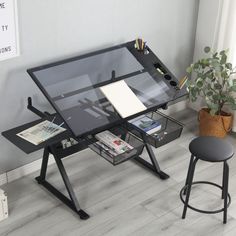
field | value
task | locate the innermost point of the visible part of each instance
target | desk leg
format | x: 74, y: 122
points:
x: 154, y: 166
x: 71, y: 202
x: 44, y: 164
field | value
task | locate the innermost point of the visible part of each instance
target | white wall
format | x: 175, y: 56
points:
x: 206, y: 33
x: 56, y: 29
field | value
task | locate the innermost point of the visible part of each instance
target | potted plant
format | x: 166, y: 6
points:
x: 212, y: 80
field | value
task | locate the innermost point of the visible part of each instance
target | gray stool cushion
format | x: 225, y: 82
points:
x: 211, y: 149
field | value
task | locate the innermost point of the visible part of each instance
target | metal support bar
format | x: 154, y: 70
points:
x: 72, y: 202
x: 189, y: 186
x: 44, y: 165
x: 225, y: 190
x: 223, y: 182
x: 188, y: 175
x: 82, y: 214
x: 67, y: 182
x: 35, y: 110
x: 154, y: 166
x: 182, y: 198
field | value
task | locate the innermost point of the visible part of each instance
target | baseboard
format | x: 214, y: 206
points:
x: 3, y: 179
x: 26, y: 169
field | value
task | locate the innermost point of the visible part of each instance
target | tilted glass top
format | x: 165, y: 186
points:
x: 72, y: 87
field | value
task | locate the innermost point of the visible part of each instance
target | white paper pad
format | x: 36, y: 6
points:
x: 122, y: 98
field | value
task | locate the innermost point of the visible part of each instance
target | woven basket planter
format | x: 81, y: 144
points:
x: 217, y: 125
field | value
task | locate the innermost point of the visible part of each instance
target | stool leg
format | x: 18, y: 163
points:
x: 188, y: 174
x: 226, y: 182
x: 189, y: 185
x: 223, y: 182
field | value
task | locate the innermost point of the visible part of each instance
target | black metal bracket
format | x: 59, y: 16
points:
x: 155, y: 165
x: 72, y: 201
x: 113, y: 75
x: 165, y: 106
x: 35, y: 110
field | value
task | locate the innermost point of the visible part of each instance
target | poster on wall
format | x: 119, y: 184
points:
x: 9, y: 38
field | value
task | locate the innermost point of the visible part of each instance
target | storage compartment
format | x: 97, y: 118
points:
x: 169, y: 130
x: 173, y: 83
x: 68, y: 147
x: 159, y: 68
x: 108, y: 154
x: 167, y: 77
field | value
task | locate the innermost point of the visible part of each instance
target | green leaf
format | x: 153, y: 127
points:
x: 215, y: 63
x: 233, y: 88
x: 216, y: 97
x: 231, y: 100
x: 196, y: 66
x: 218, y: 69
x: 229, y: 66
x: 213, y: 108
x: 193, y: 99
x: 213, y: 112
x: 215, y: 55
x: 217, y: 86
x: 209, y: 93
x: 207, y: 49
x: 222, y: 52
x: 223, y: 59
x: 189, y: 70
x: 224, y: 74
x: 200, y: 84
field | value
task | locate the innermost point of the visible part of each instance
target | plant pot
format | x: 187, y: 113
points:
x: 217, y: 125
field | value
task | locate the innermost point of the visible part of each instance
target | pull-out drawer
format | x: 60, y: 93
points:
x: 109, y: 155
x: 170, y: 129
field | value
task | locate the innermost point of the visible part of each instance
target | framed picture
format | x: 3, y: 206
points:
x: 9, y: 35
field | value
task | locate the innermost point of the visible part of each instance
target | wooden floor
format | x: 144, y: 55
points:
x: 126, y: 199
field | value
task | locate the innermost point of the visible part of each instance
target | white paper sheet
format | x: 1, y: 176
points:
x: 122, y: 98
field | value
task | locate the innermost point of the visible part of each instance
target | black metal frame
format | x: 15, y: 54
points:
x: 154, y: 167
x: 188, y: 185
x: 72, y: 201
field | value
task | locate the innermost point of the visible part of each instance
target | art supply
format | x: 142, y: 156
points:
x: 41, y: 132
x: 182, y: 82
x: 110, y: 140
x: 140, y: 45
x: 126, y: 105
x: 146, y: 124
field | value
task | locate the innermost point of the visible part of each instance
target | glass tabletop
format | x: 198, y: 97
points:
x: 72, y: 87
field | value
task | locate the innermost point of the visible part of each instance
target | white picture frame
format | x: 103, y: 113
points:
x: 9, y: 31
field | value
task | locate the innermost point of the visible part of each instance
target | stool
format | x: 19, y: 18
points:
x: 211, y: 149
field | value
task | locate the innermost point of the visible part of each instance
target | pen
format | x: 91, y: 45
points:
x: 56, y: 127
x: 48, y: 127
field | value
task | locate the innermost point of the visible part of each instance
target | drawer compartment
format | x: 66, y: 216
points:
x: 169, y: 129
x: 109, y: 154
x: 68, y: 147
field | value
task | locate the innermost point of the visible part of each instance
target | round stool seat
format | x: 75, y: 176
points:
x: 211, y: 149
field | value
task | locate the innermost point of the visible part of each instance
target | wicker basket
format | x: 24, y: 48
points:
x: 217, y: 125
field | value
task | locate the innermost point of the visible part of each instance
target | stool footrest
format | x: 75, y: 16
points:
x: 199, y: 210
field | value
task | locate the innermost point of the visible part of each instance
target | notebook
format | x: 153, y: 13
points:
x: 122, y: 98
